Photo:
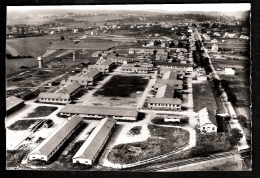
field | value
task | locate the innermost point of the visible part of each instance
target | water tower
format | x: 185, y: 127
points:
x: 40, y: 62
x: 74, y: 54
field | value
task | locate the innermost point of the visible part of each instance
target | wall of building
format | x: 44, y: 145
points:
x: 48, y: 100
x: 208, y: 128
x: 164, y: 106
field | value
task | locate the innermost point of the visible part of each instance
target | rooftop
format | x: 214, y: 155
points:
x: 93, y: 143
x: 54, y: 95
x: 12, y: 101
x: 165, y: 100
x: 207, y: 117
x: 100, y: 110
x: 53, y: 140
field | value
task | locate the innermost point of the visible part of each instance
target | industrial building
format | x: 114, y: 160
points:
x: 13, y: 104
x: 91, y: 148
x: 54, y: 141
x: 99, y: 112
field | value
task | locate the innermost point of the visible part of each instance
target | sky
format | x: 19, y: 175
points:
x: 227, y: 7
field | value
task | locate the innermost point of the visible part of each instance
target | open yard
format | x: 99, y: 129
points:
x: 23, y: 124
x: 42, y: 111
x: 161, y: 141
x: 203, y: 96
x: 122, y: 86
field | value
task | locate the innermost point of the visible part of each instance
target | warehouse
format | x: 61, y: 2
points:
x: 54, y: 141
x: 99, y: 112
x: 13, y: 104
x: 165, y: 103
x: 91, y: 148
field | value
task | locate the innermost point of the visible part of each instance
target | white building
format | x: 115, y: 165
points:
x: 229, y: 71
x: 54, y: 141
x: 89, y: 151
x: 207, y: 121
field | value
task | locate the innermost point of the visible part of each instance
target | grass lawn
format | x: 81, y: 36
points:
x: 122, y: 86
x: 135, y: 130
x: 203, y: 96
x: 23, y: 124
x: 14, y: 157
x: 42, y: 111
x: 163, y: 140
x: 158, y: 120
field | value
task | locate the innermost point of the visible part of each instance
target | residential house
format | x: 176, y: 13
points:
x: 207, y: 121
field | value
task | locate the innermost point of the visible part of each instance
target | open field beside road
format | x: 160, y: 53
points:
x: 203, y: 96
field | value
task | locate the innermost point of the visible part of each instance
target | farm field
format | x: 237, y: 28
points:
x: 98, y: 18
x: 32, y: 46
x: 30, y: 21
x: 203, y: 96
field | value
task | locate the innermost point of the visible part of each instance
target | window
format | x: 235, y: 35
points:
x: 42, y: 158
x: 213, y: 128
x: 203, y: 127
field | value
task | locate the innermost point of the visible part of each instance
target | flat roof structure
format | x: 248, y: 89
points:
x: 92, y: 146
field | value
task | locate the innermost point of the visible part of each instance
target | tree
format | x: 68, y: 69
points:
x: 232, y: 97
x: 242, y: 119
x: 62, y: 38
x: 235, y: 136
x: 224, y: 84
x: 216, y: 83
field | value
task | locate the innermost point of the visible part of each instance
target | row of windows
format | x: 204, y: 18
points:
x: 213, y: 128
x: 49, y: 99
x: 155, y: 104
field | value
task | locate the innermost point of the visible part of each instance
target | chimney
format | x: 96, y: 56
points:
x: 40, y: 62
x: 74, y: 59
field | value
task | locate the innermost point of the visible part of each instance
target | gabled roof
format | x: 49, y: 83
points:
x: 70, y: 88
x: 165, y: 100
x: 169, y: 75
x: 94, y: 142
x: 54, y: 140
x: 165, y: 91
x: 92, y: 73
x: 207, y: 117
x: 177, y: 84
x: 100, y: 110
x: 54, y: 95
x: 107, y: 62
x: 12, y: 101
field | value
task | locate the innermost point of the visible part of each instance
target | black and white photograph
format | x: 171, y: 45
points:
x: 141, y: 88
